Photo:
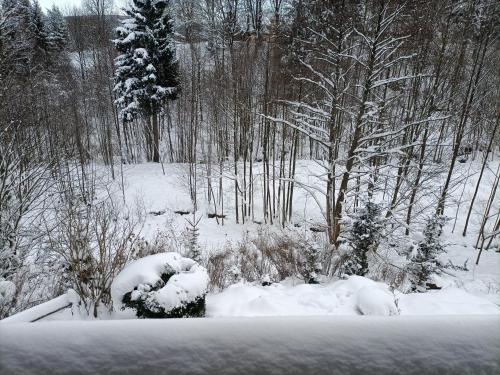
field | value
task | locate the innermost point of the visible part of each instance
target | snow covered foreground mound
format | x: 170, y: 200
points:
x: 375, y: 301
x: 164, y: 285
x: 312, y: 345
x: 353, y: 296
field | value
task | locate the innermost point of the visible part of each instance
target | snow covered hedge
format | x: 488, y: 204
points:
x: 164, y: 285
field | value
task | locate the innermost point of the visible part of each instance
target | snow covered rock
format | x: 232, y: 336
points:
x: 375, y: 301
x: 164, y: 285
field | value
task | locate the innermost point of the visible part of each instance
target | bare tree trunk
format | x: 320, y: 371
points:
x: 464, y: 233
x: 156, y: 138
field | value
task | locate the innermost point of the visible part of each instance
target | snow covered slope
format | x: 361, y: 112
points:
x: 313, y: 345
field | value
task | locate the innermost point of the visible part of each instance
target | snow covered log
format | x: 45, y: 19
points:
x: 45, y: 309
x: 164, y: 285
x: 293, y: 345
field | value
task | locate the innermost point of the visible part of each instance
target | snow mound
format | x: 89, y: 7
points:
x: 375, y: 301
x: 353, y: 296
x: 285, y: 299
x: 162, y: 281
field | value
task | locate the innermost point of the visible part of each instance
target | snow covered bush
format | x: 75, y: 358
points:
x: 156, y: 243
x: 267, y: 257
x: 164, y: 285
x: 291, y: 253
x: 23, y: 182
x: 424, y: 263
x: 278, y: 254
x: 92, y: 239
x: 250, y: 259
x: 311, y: 264
x: 218, y: 264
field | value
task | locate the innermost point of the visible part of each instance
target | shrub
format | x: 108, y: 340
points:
x: 164, y: 285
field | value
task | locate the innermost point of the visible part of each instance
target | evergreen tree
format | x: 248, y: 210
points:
x: 192, y: 238
x: 17, y: 41
x: 146, y: 71
x: 424, y: 262
x: 365, y: 235
x: 312, y: 263
x: 39, y: 32
x: 57, y: 29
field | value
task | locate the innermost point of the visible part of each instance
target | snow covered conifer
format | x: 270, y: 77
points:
x: 192, y: 238
x: 16, y: 40
x: 146, y: 71
x: 312, y: 263
x: 57, y: 29
x: 365, y: 236
x: 424, y: 262
x: 39, y: 31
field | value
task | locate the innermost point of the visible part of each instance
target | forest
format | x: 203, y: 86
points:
x: 263, y: 140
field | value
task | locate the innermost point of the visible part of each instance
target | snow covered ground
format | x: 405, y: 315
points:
x: 355, y: 296
x: 476, y: 291
x: 351, y: 297
x: 312, y: 345
x: 353, y: 326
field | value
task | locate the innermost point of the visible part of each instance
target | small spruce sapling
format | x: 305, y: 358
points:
x: 365, y: 235
x: 192, y: 240
x: 424, y: 262
x: 312, y: 264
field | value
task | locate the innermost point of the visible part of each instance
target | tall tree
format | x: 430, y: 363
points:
x: 146, y: 71
x: 39, y: 31
x: 57, y: 29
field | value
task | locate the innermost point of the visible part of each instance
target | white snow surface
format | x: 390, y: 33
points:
x: 189, y: 282
x: 375, y: 301
x: 312, y: 345
x: 448, y: 301
x: 353, y: 296
x: 476, y: 291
